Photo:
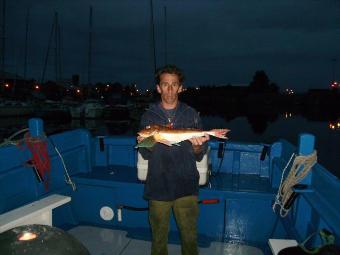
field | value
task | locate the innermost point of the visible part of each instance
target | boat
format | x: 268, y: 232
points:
x: 94, y: 192
x: 11, y: 108
x: 90, y: 109
x: 52, y: 110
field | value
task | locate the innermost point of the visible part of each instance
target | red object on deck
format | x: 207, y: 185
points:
x: 40, y: 158
x: 209, y: 201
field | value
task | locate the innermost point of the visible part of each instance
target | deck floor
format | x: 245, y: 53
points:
x: 103, y: 241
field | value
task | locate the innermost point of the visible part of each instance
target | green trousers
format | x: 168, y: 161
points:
x: 186, y: 211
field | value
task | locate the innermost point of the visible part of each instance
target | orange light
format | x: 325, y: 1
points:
x: 78, y: 91
x: 26, y: 236
x: 7, y: 85
x: 36, y: 87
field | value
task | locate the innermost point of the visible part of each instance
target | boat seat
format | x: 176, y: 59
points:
x: 202, y: 167
x: 38, y: 212
x: 276, y: 245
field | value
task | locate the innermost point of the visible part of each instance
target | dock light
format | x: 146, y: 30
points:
x: 36, y: 87
x: 7, y: 85
x: 78, y: 91
x: 335, y: 84
x: 39, y: 240
x: 335, y: 125
x: 331, y: 126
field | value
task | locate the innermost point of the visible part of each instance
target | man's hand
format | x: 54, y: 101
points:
x: 198, y: 141
x: 140, y: 138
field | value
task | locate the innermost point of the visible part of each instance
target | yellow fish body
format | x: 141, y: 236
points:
x: 169, y: 136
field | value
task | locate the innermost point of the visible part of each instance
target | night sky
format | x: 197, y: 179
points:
x: 297, y: 43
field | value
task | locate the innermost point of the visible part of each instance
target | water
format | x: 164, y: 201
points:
x: 327, y: 140
x: 243, y: 129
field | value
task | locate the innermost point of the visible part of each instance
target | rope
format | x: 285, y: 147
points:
x: 300, y: 168
x: 68, y: 179
x: 10, y: 141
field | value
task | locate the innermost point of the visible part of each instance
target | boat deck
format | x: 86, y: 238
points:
x: 102, y: 241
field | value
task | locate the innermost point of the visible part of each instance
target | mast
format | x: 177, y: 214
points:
x: 333, y: 69
x: 153, y: 37
x: 59, y: 45
x: 89, y: 67
x: 165, y: 37
x: 55, y: 32
x: 26, y: 42
x: 3, y: 41
x: 56, y: 47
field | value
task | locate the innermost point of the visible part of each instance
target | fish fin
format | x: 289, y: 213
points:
x: 147, y: 142
x: 219, y: 133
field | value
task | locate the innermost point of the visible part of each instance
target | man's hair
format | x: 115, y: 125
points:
x: 169, y: 69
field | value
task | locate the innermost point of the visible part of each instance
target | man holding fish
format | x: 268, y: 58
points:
x: 172, y: 140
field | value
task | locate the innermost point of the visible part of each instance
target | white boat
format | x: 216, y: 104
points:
x: 90, y: 109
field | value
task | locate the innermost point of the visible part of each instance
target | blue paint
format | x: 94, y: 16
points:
x: 306, y: 144
x: 245, y: 186
x: 36, y: 127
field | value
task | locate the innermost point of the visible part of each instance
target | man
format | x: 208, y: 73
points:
x: 172, y: 180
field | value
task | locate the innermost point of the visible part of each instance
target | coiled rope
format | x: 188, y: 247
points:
x: 300, y: 168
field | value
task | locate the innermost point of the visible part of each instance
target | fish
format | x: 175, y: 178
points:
x: 171, y: 136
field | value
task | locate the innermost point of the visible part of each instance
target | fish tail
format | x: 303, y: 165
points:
x: 219, y: 133
x: 147, y: 143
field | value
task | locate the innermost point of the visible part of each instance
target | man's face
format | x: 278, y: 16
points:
x: 169, y: 87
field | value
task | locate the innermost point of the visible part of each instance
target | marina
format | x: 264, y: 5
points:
x: 83, y: 173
